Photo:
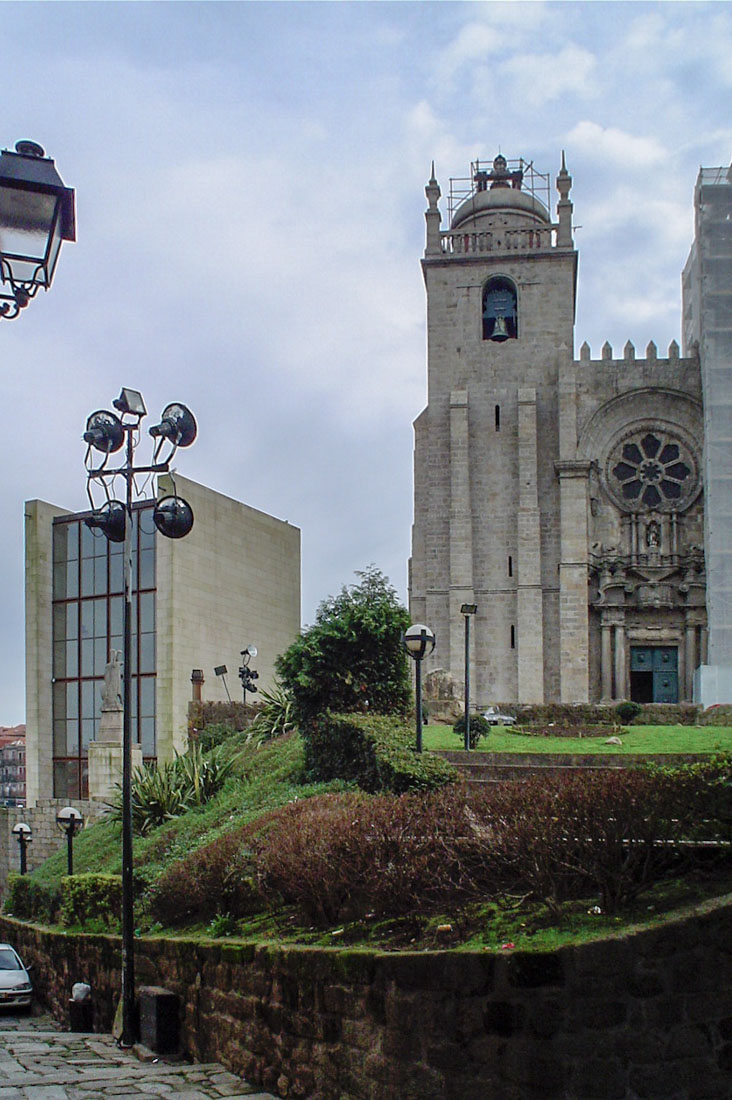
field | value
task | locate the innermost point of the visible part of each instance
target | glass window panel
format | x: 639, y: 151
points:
x: 88, y: 542
x: 116, y: 573
x: 87, y: 699
x: 87, y: 657
x: 147, y: 736
x: 87, y: 619
x: 72, y: 737
x: 60, y: 532
x: 100, y: 575
x: 87, y: 577
x: 59, y: 580
x: 101, y: 543
x: 116, y: 642
x: 72, y: 620
x: 72, y: 658
x: 147, y: 653
x: 72, y: 701
x: 147, y: 697
x: 59, y: 622
x: 59, y: 659
x: 100, y: 618
x: 72, y: 579
x: 59, y: 701
x: 100, y: 656
x: 87, y: 733
x: 116, y: 615
x: 61, y: 787
x: 147, y: 529
x: 59, y: 737
x: 147, y: 569
x: 147, y: 612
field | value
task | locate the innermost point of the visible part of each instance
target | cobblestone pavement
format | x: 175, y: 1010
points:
x: 38, y: 1061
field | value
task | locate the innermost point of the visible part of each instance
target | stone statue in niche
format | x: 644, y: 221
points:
x: 653, y: 535
x: 112, y: 690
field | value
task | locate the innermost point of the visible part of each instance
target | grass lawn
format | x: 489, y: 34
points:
x: 635, y: 739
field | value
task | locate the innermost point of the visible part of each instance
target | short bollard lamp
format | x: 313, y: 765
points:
x: 419, y: 641
x: 23, y: 835
x: 36, y: 216
x: 70, y: 821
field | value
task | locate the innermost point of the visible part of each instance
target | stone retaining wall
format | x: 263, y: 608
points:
x: 644, y: 1015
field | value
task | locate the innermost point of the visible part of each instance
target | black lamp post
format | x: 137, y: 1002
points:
x: 70, y: 821
x: 106, y: 433
x: 419, y: 641
x: 467, y: 610
x: 37, y: 214
x: 22, y: 834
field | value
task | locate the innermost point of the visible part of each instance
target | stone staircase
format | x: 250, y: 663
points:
x: 499, y: 767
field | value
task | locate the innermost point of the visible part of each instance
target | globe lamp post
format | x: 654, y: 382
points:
x: 22, y: 833
x: 418, y: 641
x: 70, y: 821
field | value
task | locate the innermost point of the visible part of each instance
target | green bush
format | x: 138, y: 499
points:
x: 276, y: 716
x: 31, y: 900
x: 627, y: 711
x: 92, y: 902
x: 375, y: 751
x: 211, y: 737
x: 479, y: 727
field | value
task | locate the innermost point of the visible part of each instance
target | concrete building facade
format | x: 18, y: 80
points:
x: 197, y: 602
x: 563, y: 495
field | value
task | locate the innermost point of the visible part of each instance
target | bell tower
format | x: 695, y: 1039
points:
x: 500, y: 283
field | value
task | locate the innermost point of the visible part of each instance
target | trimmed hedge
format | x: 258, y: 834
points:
x: 31, y: 900
x: 590, y: 714
x: 93, y: 902
x: 375, y: 751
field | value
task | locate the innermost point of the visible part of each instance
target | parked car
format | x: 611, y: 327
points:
x: 16, y: 988
x: 494, y: 717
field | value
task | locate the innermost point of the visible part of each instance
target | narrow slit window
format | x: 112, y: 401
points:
x: 498, y: 418
x: 513, y: 637
x: 510, y: 566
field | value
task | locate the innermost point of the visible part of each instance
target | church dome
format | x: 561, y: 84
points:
x: 485, y: 207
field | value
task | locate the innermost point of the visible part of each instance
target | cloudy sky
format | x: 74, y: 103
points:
x: 250, y: 203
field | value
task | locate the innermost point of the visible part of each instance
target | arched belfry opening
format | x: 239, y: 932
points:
x: 500, y: 310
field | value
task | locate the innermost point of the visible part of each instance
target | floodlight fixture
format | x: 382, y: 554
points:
x: 111, y: 519
x: 468, y: 609
x: 177, y: 425
x: 37, y: 214
x: 130, y: 401
x: 104, y: 432
x: 173, y: 517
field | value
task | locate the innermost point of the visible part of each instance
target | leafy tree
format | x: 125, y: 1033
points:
x: 351, y: 658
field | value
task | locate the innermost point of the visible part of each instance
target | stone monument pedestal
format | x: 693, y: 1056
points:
x: 105, y: 768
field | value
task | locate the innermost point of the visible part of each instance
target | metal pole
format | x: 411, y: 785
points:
x: 70, y: 848
x: 21, y: 842
x: 128, y: 940
x: 467, y: 683
x: 418, y: 663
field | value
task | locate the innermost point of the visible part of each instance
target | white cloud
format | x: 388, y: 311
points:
x: 616, y: 146
x: 542, y: 77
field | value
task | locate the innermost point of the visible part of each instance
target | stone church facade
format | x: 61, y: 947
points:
x: 563, y: 496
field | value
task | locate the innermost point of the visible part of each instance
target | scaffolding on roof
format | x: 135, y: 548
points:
x: 522, y: 171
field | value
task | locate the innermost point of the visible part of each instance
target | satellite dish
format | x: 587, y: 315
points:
x: 173, y: 517
x: 110, y: 519
x: 104, y: 432
x: 177, y: 425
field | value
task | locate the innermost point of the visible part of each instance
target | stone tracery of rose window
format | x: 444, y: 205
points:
x: 652, y: 470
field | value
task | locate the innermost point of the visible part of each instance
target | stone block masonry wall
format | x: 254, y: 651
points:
x: 639, y: 1016
x: 47, y: 837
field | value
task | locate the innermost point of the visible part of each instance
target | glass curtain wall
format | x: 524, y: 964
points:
x: 88, y: 610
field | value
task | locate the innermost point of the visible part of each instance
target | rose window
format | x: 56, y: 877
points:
x: 652, y: 470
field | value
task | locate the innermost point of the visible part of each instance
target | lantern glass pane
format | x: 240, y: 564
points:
x: 27, y: 221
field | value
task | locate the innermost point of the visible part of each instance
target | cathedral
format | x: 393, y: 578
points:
x: 580, y: 505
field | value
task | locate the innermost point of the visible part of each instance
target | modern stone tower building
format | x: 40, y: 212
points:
x: 562, y: 496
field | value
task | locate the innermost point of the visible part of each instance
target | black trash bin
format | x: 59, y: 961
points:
x: 81, y: 1015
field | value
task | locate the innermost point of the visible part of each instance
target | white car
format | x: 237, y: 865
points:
x: 16, y: 989
x: 494, y: 717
